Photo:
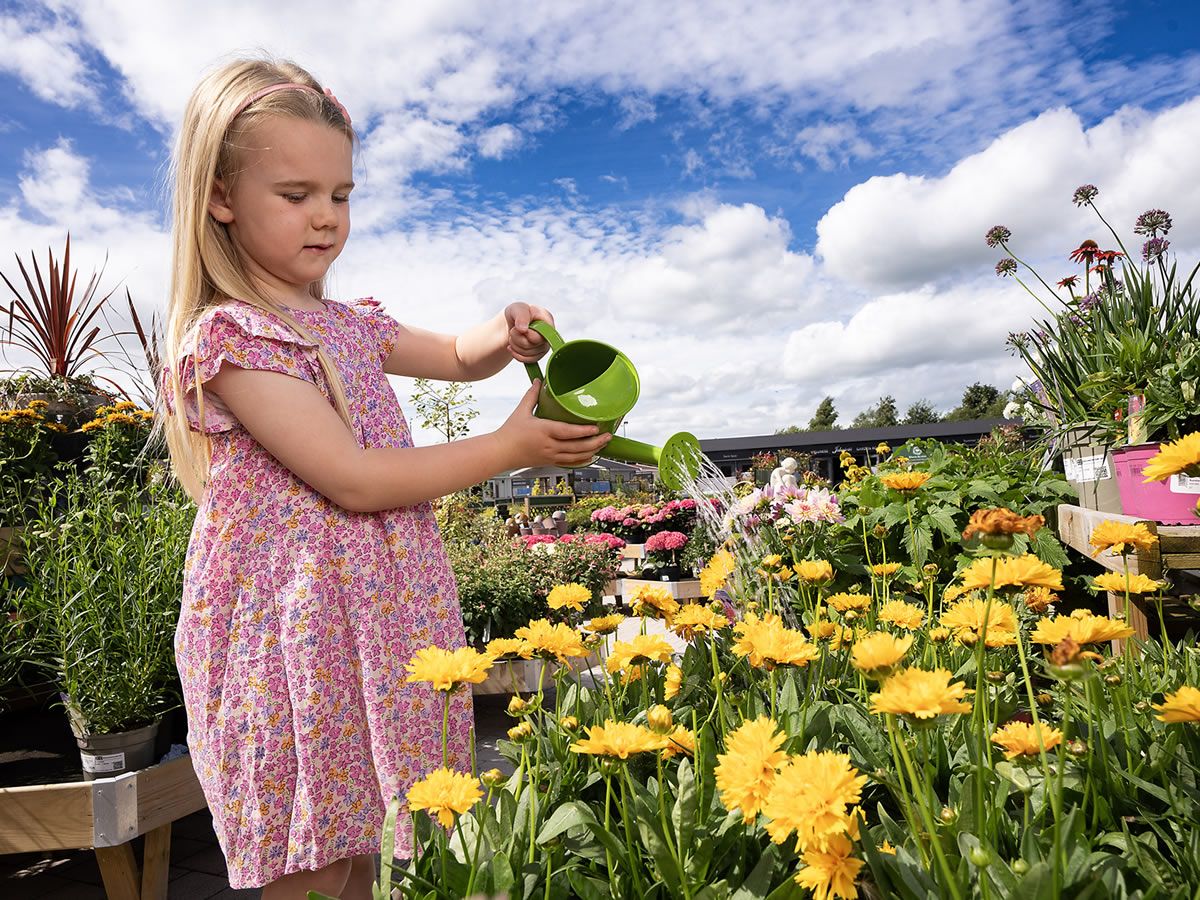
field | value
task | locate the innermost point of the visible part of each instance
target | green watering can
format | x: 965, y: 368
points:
x: 590, y: 383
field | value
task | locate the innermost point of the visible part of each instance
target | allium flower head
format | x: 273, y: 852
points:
x: 1006, y: 266
x: 446, y: 670
x: 1154, y: 249
x: 921, y: 694
x: 1181, y: 706
x: 747, y: 769
x: 444, y: 793
x: 1021, y: 739
x: 812, y: 797
x: 1085, y: 194
x: 1152, y: 223
x: 1175, y: 458
x: 997, y: 235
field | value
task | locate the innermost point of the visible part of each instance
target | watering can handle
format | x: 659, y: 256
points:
x: 553, y: 338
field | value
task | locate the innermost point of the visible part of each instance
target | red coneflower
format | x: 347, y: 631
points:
x: 1085, y: 252
x: 1107, y: 256
x: 1068, y: 282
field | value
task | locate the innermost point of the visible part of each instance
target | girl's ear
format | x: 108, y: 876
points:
x: 218, y: 203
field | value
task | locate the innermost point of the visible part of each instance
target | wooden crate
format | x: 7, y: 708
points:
x: 106, y: 814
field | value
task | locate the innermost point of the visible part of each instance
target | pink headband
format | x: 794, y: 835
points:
x: 290, y: 86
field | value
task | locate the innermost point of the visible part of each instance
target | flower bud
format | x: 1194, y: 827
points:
x: 659, y: 719
x: 518, y: 706
x: 931, y: 569
x: 948, y: 815
x: 568, y: 723
x: 493, y: 778
x: 1019, y: 867
x: 880, y: 531
x: 1142, y: 705
x: 1077, y: 748
x: 1045, y: 699
x: 520, y: 731
x: 980, y: 857
x: 995, y: 677
x: 1112, y: 680
x: 996, y: 541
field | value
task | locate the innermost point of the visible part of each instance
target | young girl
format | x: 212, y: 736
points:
x: 315, y: 570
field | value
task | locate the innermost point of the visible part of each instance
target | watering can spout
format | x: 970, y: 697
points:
x: 677, y: 459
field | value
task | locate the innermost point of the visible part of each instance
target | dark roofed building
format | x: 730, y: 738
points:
x: 732, y: 455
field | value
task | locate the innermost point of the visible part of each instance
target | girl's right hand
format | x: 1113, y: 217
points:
x: 533, y: 441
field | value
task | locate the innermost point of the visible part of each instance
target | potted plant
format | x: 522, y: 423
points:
x: 1120, y: 326
x: 662, y: 560
x: 26, y: 460
x: 101, y: 604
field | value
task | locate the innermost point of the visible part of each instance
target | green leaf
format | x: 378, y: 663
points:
x: 573, y: 814
x: 918, y: 541
x: 683, y: 815
x: 943, y: 518
x: 588, y: 888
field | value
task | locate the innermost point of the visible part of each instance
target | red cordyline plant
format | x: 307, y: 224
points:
x: 54, y: 320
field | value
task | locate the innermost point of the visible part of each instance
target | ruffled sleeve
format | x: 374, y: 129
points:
x: 383, y: 332
x: 247, y: 338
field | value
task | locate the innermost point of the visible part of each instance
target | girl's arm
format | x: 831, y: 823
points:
x: 477, y: 353
x: 295, y: 423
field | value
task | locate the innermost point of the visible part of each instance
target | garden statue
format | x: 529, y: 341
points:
x: 784, y: 476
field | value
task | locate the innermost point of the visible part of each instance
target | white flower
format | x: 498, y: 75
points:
x: 1012, y: 409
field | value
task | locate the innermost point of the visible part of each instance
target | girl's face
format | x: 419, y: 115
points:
x: 288, y: 211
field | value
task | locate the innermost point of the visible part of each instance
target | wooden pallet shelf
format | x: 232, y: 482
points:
x: 106, y: 814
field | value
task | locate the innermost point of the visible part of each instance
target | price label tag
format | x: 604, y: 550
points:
x: 102, y: 762
x: 1184, y: 484
x: 1085, y: 469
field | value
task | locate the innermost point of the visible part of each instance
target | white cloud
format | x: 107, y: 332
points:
x: 45, y: 56
x: 900, y: 231
x: 498, y: 141
x: 832, y: 144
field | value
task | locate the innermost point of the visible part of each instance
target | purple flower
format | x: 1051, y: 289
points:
x: 997, y: 235
x: 1085, y: 194
x: 1154, y: 248
x: 1006, y: 266
x: 1151, y: 222
x: 1086, y: 303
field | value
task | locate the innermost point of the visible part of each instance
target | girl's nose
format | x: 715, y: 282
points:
x: 325, y: 214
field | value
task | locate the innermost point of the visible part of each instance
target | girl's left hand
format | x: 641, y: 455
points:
x: 525, y: 344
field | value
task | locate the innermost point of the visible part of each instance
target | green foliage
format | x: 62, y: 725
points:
x: 447, y: 410
x: 824, y: 417
x: 921, y: 413
x: 26, y: 460
x: 979, y: 401
x: 100, y: 605
x: 882, y: 415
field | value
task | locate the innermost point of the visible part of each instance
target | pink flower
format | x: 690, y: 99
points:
x: 665, y: 541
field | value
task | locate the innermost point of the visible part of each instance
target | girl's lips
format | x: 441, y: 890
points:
x: 318, y: 248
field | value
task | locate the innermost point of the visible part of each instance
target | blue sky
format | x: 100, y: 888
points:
x: 760, y: 202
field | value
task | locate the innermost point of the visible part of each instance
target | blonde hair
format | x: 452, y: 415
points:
x: 207, y: 269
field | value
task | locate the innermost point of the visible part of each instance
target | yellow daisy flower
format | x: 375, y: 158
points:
x: 638, y: 650
x: 1011, y: 571
x: 844, y: 603
x: 619, y: 740
x: 1138, y: 584
x: 446, y: 670
x: 814, y: 571
x: 572, y: 596
x: 747, y: 769
x: 1121, y: 537
x: 767, y: 643
x: 885, y: 570
x: 921, y: 694
x: 672, y: 681
x: 811, y: 797
x: 680, y: 742
x: 1082, y: 629
x: 879, y: 651
x: 1175, y: 458
x: 902, y: 614
x: 444, y: 793
x: 653, y: 602
x: 968, y: 616
x: 695, y: 618
x: 904, y: 482
x: 716, y: 572
x: 545, y: 641
x: 604, y: 624
x: 1021, y: 738
x: 829, y: 871
x: 505, y: 647
x: 1181, y: 706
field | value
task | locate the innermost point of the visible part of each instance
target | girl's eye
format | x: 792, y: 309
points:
x: 293, y: 198
x: 344, y: 198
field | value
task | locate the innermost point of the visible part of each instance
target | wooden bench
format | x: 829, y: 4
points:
x: 1178, y: 548
x: 106, y: 814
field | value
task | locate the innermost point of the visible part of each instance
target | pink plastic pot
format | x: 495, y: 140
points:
x: 1170, y: 502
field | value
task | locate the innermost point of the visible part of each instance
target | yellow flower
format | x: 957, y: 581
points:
x: 1082, y: 629
x: 1038, y: 598
x: 716, y: 572
x: 882, y: 448
x: 640, y: 649
x: 1181, y: 706
x: 905, y: 482
x: 1021, y: 738
x: 829, y: 871
x: 672, y: 681
x: 847, y: 602
x: 694, y: 619
x: 921, y: 694
x: 1014, y: 571
x: 443, y: 793
x: 771, y: 561
x: 505, y: 647
x: 938, y: 635
x: 446, y: 670
x: 659, y: 719
x: 879, y: 651
x: 1174, y: 458
x: 811, y: 797
x: 902, y: 614
x: 967, y: 616
x: 953, y: 592
x: 747, y: 769
x: 814, y: 571
x: 604, y: 624
x: 1138, y: 584
x: 545, y: 640
x: 767, y: 643
x: 653, y: 602
x: 885, y: 570
x: 572, y: 596
x: 680, y: 742
x: 1121, y: 537
x: 1000, y: 521
x: 886, y: 847
x: 837, y: 635
x: 619, y: 739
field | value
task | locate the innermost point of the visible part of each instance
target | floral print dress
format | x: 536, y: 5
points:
x: 299, y: 616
